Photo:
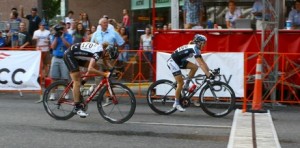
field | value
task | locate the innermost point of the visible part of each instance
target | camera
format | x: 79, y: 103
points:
x: 58, y: 30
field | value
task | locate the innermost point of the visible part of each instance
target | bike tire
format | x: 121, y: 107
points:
x: 161, y: 97
x: 220, y: 106
x: 120, y: 110
x: 62, y: 110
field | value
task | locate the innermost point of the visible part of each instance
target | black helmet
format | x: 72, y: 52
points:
x: 112, y: 52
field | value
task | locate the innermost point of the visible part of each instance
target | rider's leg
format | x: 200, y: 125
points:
x: 179, y: 81
x: 76, y: 86
x: 193, y: 69
x: 177, y: 105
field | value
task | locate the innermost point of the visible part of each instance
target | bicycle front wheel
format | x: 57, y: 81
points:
x: 217, y: 99
x: 161, y: 97
x: 56, y: 105
x: 118, y: 106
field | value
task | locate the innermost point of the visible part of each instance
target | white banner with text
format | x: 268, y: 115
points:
x: 19, y: 70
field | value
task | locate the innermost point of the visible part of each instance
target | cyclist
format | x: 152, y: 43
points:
x: 83, y: 54
x: 179, y: 61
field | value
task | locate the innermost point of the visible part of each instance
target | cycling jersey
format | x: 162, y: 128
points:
x: 86, y: 51
x: 80, y: 53
x: 179, y: 57
x: 186, y: 51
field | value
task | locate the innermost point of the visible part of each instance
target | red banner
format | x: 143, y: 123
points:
x: 228, y: 40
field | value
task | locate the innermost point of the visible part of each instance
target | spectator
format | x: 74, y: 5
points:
x: 24, y: 38
x: 110, y: 26
x: 232, y: 14
x: 69, y: 18
x: 115, y: 24
x: 126, y: 20
x: 193, y: 10
x: 72, y: 28
x: 92, y: 30
x: 33, y: 18
x: 42, y: 37
x: 13, y: 27
x: 107, y: 35
x: 16, y: 10
x: 257, y: 10
x: 169, y: 26
x: 60, y: 42
x: 68, y: 25
x: 165, y: 27
x: 85, y: 20
x: 294, y: 16
x: 146, y: 44
x: 79, y: 34
x: 2, y: 40
x: 124, y: 55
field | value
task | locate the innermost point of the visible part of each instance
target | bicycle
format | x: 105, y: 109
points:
x: 216, y: 98
x: 121, y: 107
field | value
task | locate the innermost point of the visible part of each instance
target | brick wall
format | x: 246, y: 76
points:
x: 6, y: 5
x: 97, y: 8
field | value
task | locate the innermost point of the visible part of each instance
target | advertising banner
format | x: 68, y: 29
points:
x: 19, y: 70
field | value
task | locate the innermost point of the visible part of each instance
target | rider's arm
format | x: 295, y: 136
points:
x: 93, y: 70
x: 203, y: 66
x: 107, y: 63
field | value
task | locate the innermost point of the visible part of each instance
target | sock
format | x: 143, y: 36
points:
x: 176, y: 101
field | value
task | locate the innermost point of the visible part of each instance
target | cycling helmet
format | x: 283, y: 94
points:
x: 112, y: 52
x: 198, y: 38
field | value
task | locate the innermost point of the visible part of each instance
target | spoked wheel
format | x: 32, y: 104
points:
x: 161, y: 97
x: 57, y: 106
x: 117, y: 108
x: 217, y: 99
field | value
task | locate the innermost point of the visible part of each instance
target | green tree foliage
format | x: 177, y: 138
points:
x: 51, y: 8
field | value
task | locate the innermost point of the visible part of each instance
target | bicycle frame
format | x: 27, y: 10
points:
x: 104, y: 81
x: 195, y: 80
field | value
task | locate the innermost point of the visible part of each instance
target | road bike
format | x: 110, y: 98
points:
x: 119, y: 100
x: 216, y: 98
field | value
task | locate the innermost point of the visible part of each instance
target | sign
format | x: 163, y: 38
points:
x: 232, y: 75
x: 19, y: 70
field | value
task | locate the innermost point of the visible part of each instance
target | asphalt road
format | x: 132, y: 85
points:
x: 25, y: 124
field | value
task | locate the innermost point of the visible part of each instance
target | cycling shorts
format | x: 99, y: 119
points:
x: 175, y: 68
x: 73, y: 63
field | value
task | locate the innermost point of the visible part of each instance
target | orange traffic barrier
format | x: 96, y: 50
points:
x: 257, y: 96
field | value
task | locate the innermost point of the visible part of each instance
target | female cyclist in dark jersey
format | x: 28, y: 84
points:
x: 81, y: 54
x: 179, y: 61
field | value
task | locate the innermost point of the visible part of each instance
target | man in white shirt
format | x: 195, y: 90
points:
x: 42, y: 44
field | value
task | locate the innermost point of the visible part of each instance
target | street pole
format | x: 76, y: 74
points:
x: 175, y: 14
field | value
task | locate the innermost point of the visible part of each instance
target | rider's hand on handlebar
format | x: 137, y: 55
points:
x: 107, y: 74
x: 212, y: 75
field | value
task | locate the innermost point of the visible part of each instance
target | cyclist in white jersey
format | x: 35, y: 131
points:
x: 179, y: 61
x: 82, y: 54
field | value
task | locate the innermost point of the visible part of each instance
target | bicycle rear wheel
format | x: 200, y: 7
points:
x: 117, y: 108
x: 217, y: 99
x: 161, y: 97
x: 57, y: 107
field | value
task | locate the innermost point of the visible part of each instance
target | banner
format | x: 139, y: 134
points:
x: 19, y: 70
x: 231, y: 65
